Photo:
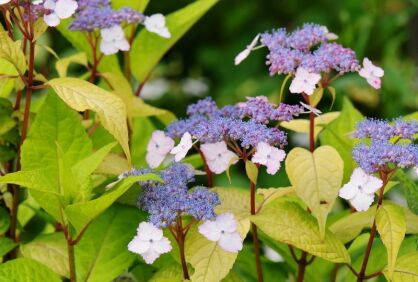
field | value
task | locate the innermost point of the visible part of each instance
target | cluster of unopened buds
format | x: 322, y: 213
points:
x: 95, y: 16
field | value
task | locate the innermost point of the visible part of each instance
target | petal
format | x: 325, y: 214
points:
x: 296, y: 86
x: 259, y: 158
x: 210, y: 230
x: 52, y: 19
x: 372, y: 185
x: 65, y: 8
x: 231, y: 242
x: 148, y: 231
x: 362, y: 202
x: 309, y: 89
x: 150, y: 256
x: 156, y: 20
x: 359, y: 177
x: 138, y: 246
x: 49, y: 4
x: 374, y: 82
x: 364, y: 73
x: 162, y: 246
x: 273, y: 167
x: 242, y: 56
x: 154, y: 159
x: 122, y: 44
x: 226, y: 222
x: 108, y: 48
x: 212, y: 150
x: 348, y: 191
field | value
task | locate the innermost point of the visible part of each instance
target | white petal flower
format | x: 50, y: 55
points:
x: 180, y: 151
x: 2, y: 2
x: 371, y: 73
x: 329, y: 35
x: 269, y: 156
x: 360, y: 189
x: 223, y: 230
x: 311, y: 109
x: 113, y: 40
x: 304, y: 82
x: 218, y: 157
x: 61, y: 9
x: 246, y: 52
x: 156, y: 24
x: 158, y: 148
x: 272, y: 254
x: 149, y: 242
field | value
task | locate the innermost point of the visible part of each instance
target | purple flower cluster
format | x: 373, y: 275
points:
x: 389, y: 144
x: 289, y: 51
x: 246, y: 123
x: 98, y: 14
x: 165, y: 201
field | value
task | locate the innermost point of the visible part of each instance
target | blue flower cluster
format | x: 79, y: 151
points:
x: 98, y: 14
x: 307, y: 47
x: 165, y: 201
x: 246, y: 123
x: 389, y: 143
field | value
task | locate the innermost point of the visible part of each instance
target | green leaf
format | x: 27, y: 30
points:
x: 113, y: 164
x: 406, y: 269
x: 210, y: 262
x: 317, y: 179
x: 50, y: 250
x: 252, y: 171
x: 316, y: 97
x: 24, y: 270
x: 102, y: 253
x: 4, y: 219
x: 287, y: 222
x: 349, y: 227
x: 333, y: 95
x: 82, y: 95
x: 337, y: 135
x: 141, y: 109
x: 270, y: 194
x: 11, y: 51
x: 302, y: 125
x: 39, y: 28
x: 148, y: 48
x: 6, y: 245
x: 410, y: 190
x: 391, y: 225
x: 63, y: 64
x: 81, y: 214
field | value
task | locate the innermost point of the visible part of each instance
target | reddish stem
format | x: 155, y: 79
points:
x: 209, y: 173
x: 254, y: 232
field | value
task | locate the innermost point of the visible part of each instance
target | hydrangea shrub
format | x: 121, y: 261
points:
x: 70, y: 164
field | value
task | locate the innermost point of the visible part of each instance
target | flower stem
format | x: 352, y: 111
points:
x: 70, y: 251
x: 180, y: 238
x: 362, y: 274
x: 255, y: 235
x: 209, y: 173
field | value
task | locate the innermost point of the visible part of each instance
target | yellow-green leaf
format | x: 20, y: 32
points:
x: 316, y: 97
x: 12, y: 52
x: 350, y: 226
x: 82, y: 96
x: 252, y: 171
x: 406, y: 269
x: 317, y: 179
x: 391, y: 225
x: 270, y: 194
x: 302, y: 125
x: 287, y: 222
x: 210, y: 262
x: 63, y: 64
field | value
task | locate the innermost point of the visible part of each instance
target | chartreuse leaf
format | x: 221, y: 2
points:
x: 81, y: 214
x: 210, y: 262
x: 6, y: 245
x: 24, y: 270
x: 4, y: 220
x: 102, y: 254
x: 391, y: 225
x: 82, y: 95
x: 252, y: 171
x: 316, y: 97
x: 11, y: 51
x: 50, y: 250
x: 337, y: 135
x: 287, y: 222
x: 302, y: 125
x: 270, y: 194
x: 316, y: 178
x: 63, y: 64
x: 169, y: 273
x: 113, y: 164
x: 138, y: 5
x: 406, y: 269
x: 148, y: 48
x: 9, y: 73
